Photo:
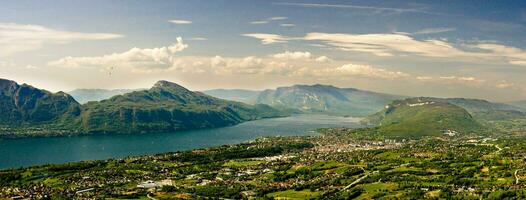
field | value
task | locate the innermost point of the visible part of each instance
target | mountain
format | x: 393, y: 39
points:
x: 85, y: 95
x: 478, y: 105
x: 23, y: 104
x: 326, y: 99
x: 245, y: 96
x: 521, y: 104
x: 167, y: 107
x: 28, y: 111
x: 417, y: 117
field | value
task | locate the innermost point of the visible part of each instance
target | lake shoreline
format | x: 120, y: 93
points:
x: 33, y: 151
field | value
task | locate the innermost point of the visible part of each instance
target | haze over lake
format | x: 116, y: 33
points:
x: 36, y: 151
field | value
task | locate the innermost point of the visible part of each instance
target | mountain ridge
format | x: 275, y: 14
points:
x: 166, y: 106
x: 329, y: 99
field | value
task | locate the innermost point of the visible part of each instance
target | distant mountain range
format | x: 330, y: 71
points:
x: 165, y: 107
x: 85, y: 95
x: 245, y: 96
x: 521, y: 104
x: 28, y: 111
x: 327, y: 99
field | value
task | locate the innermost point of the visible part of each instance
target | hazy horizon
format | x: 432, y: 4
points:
x: 454, y: 49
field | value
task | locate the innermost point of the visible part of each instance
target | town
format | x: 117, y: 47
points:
x: 334, y: 165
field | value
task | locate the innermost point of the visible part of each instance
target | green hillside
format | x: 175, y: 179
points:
x: 326, y: 99
x: 23, y: 105
x: 417, y: 117
x: 499, y: 117
x: 165, y: 107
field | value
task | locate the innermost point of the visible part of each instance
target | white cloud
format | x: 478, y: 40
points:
x: 323, y: 59
x: 513, y: 55
x: 465, y: 79
x: 391, y: 44
x: 267, y: 38
x: 161, y: 57
x: 368, y: 71
x: 180, y: 21
x: 259, y: 22
x: 293, y: 55
x: 386, y: 44
x: 277, y: 18
x: 288, y: 25
x: 424, y: 78
x: 15, y: 38
x: 199, y: 38
x: 518, y: 62
x: 434, y: 30
x: 504, y: 85
x: 267, y: 20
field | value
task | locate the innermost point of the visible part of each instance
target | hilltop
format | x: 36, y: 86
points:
x: 417, y: 117
x: 167, y: 107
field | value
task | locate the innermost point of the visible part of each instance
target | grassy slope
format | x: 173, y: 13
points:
x: 400, y: 119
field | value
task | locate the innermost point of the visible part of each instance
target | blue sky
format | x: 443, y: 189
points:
x: 422, y: 48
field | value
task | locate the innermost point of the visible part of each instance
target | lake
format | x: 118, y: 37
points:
x: 37, y: 151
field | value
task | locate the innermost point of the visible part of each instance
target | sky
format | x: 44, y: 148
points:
x: 473, y: 49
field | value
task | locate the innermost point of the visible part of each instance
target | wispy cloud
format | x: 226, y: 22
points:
x: 288, y: 25
x: 434, y: 30
x: 391, y: 44
x: 199, y: 38
x: 259, y: 22
x: 267, y: 38
x: 15, y: 38
x: 277, y: 18
x: 268, y: 20
x: 451, y: 79
x: 350, y: 6
x: 368, y: 71
x: 395, y: 44
x: 180, y: 21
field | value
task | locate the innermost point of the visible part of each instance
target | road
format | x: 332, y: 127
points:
x: 516, y: 177
x: 355, y: 182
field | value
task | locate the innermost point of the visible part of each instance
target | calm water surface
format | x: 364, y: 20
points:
x: 36, y: 151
